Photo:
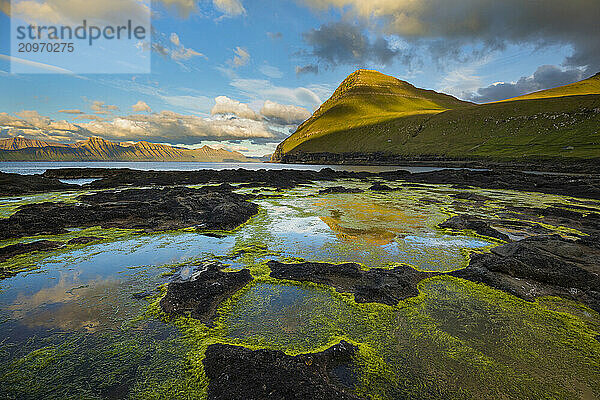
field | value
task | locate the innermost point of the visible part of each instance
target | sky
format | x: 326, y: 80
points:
x: 242, y: 74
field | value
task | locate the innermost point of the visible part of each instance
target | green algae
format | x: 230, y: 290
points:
x: 456, y: 339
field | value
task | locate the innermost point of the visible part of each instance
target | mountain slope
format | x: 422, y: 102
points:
x: 581, y: 88
x: 98, y: 149
x: 368, y: 97
x: 561, y: 122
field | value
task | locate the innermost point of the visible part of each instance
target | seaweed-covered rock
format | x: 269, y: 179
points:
x: 236, y: 372
x: 340, y: 189
x: 201, y: 294
x: 373, y: 286
x: 16, y: 185
x: 84, y: 240
x: 13, y: 250
x: 588, y: 223
x: 471, y: 197
x: 380, y: 187
x: 481, y: 227
x: 146, y: 209
x: 540, y: 266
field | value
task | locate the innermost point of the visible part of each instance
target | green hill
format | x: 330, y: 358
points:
x: 373, y: 113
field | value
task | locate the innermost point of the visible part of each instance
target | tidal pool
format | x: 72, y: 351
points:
x: 83, y: 321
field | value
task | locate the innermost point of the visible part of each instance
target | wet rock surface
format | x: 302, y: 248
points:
x: 380, y: 187
x: 340, y: 189
x: 587, y: 186
x: 471, y: 197
x: 373, y: 286
x: 16, y: 185
x: 588, y: 222
x: 111, y: 178
x: 150, y: 210
x: 479, y: 226
x: 13, y: 250
x: 239, y: 373
x: 84, y: 240
x: 541, y: 266
x: 201, y: 294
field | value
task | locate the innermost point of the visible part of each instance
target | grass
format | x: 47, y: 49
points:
x: 406, y: 121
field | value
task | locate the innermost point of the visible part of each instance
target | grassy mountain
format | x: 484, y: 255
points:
x: 374, y: 113
x: 98, y: 149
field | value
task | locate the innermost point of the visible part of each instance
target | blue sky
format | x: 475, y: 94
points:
x: 248, y: 52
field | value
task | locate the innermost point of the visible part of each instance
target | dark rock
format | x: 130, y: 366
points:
x: 16, y: 185
x: 556, y: 216
x: 470, y: 196
x: 373, y: 286
x: 239, y: 373
x: 585, y: 186
x: 141, y: 295
x: 540, y: 266
x: 151, y: 210
x: 481, y: 227
x: 340, y: 189
x: 204, y: 291
x: 84, y: 239
x: 380, y: 187
x: 12, y: 250
x: 281, y: 179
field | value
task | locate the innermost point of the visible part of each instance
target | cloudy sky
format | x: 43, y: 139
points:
x: 242, y: 74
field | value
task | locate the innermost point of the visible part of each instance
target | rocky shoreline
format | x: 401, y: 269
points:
x: 584, y: 186
x: 536, y: 264
x: 557, y: 165
x: 149, y: 210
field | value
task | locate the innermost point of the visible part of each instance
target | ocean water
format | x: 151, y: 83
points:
x: 38, y: 167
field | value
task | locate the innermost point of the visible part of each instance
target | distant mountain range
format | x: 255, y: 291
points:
x: 372, y: 118
x: 98, y: 149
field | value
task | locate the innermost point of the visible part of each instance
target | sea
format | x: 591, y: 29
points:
x: 39, y: 167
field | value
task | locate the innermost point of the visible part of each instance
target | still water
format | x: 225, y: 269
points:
x: 38, y: 167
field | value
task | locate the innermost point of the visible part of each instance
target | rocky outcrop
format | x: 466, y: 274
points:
x: 541, y: 266
x: 340, y: 189
x: 479, y: 226
x: 201, y: 294
x: 13, y: 250
x: 380, y: 187
x: 587, y: 186
x: 150, y: 210
x: 373, y: 286
x: 17, y: 185
x: 236, y: 372
x: 84, y: 240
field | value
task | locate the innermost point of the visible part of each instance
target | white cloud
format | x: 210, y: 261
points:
x: 264, y: 89
x: 141, y: 106
x: 180, y: 52
x: 183, y: 7
x: 37, y: 65
x: 270, y: 71
x: 226, y: 106
x: 284, y: 114
x: 241, y: 57
x: 100, y: 107
x: 194, y: 104
x: 163, y: 127
x: 231, y: 8
x: 75, y: 11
